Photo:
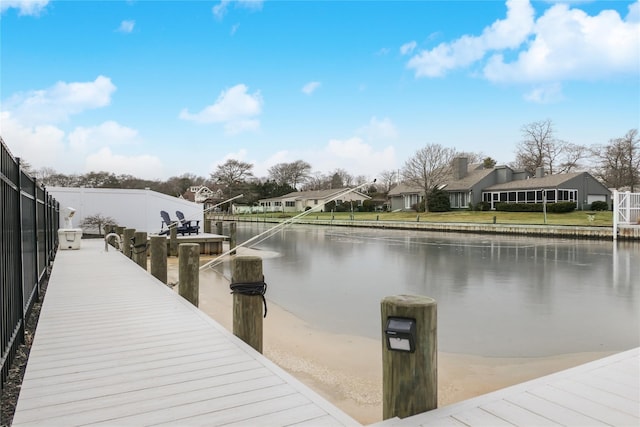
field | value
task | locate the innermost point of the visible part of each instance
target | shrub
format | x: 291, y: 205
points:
x: 560, y: 207
x: 599, y: 205
x: 483, y: 206
x: 439, y: 201
x: 519, y: 207
x: 367, y: 206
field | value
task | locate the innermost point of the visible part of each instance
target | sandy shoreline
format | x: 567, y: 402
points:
x: 347, y: 370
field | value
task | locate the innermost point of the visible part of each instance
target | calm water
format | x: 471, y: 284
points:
x: 497, y: 295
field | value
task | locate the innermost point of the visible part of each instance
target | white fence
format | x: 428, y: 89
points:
x: 626, y: 210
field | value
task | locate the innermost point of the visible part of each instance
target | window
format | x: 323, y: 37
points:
x: 410, y: 200
x: 290, y: 204
x: 459, y: 199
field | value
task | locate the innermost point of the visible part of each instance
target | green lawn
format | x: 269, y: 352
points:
x: 585, y: 218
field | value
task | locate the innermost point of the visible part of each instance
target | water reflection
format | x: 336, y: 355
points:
x: 497, y: 296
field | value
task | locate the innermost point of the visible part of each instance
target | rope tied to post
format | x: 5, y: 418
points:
x: 136, y: 248
x: 251, y: 288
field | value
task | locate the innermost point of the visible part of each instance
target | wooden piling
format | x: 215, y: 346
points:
x: 189, y: 272
x: 173, y: 239
x: 410, y: 380
x: 232, y: 237
x: 159, y: 258
x: 247, y: 309
x: 139, y: 250
x: 127, y: 235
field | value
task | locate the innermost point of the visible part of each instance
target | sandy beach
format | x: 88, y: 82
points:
x: 347, y: 370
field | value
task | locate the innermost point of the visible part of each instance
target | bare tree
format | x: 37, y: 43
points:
x: 315, y: 181
x: 99, y: 222
x: 472, y: 157
x: 340, y: 178
x: 388, y: 179
x: 429, y: 168
x: 619, y: 161
x: 232, y: 174
x: 45, y: 174
x: 572, y: 155
x: 293, y: 174
x: 540, y: 148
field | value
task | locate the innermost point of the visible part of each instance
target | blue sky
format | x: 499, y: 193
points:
x: 160, y: 88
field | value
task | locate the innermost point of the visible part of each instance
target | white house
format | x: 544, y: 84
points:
x: 139, y: 209
x: 299, y: 201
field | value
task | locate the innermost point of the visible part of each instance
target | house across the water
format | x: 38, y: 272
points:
x: 299, y: 201
x: 470, y: 184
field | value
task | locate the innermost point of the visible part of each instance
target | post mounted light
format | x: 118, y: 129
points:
x: 400, y: 334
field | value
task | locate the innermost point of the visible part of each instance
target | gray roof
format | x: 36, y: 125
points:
x: 475, y: 173
x: 549, y: 181
x: 404, y: 188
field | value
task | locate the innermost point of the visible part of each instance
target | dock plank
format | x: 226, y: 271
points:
x: 114, y: 346
x: 600, y: 393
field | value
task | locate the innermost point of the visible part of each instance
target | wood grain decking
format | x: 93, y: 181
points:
x: 605, y: 392
x: 114, y: 346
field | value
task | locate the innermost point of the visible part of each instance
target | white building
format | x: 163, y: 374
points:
x: 139, y: 209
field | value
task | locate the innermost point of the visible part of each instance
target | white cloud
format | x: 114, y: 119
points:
x: 57, y: 103
x: 569, y: 45
x: 355, y: 156
x: 379, y: 129
x: 545, y: 94
x: 310, y: 87
x: 407, y: 48
x: 234, y: 107
x: 565, y: 43
x: 142, y: 166
x: 40, y: 145
x: 221, y: 8
x: 508, y: 33
x: 250, y: 4
x: 49, y: 146
x: 25, y: 7
x: 108, y: 133
x: 126, y: 26
x: 634, y: 12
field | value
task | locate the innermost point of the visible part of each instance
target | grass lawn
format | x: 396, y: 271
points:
x: 583, y: 218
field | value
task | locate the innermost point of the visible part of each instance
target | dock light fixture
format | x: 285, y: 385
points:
x: 400, y: 334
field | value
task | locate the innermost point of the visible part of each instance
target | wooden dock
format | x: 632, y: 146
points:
x: 114, y: 346
x: 604, y: 392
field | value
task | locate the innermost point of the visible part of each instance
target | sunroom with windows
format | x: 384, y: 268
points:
x: 549, y: 195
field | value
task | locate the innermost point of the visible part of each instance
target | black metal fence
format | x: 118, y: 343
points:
x: 29, y: 223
